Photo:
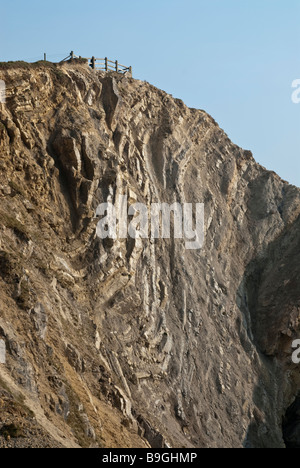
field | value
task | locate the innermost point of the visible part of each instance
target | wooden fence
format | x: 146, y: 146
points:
x: 103, y: 64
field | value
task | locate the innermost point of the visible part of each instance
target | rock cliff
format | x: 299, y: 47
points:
x: 138, y: 343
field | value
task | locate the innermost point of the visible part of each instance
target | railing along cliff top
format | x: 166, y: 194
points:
x: 102, y: 64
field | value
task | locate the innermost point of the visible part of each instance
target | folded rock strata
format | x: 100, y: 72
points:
x: 138, y: 343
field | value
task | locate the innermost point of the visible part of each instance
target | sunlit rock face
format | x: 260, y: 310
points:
x: 139, y: 342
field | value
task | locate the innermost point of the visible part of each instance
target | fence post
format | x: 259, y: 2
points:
x: 93, y: 63
x: 117, y: 66
x: 45, y: 57
x: 72, y: 55
x: 106, y: 64
x: 130, y: 71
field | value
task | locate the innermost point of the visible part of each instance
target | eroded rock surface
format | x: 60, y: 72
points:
x: 132, y: 343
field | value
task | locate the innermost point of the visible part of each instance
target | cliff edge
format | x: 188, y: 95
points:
x: 138, y: 343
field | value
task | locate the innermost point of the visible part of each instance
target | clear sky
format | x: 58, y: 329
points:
x: 236, y: 59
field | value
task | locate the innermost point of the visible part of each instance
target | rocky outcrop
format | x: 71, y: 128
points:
x: 130, y: 342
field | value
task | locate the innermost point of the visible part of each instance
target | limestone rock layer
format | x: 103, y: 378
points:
x: 139, y: 342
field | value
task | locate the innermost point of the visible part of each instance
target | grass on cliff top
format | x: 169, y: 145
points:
x: 25, y: 65
x: 40, y: 63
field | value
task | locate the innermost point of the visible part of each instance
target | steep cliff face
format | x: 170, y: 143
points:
x: 131, y: 343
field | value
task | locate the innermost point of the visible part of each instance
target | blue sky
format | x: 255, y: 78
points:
x: 236, y: 59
